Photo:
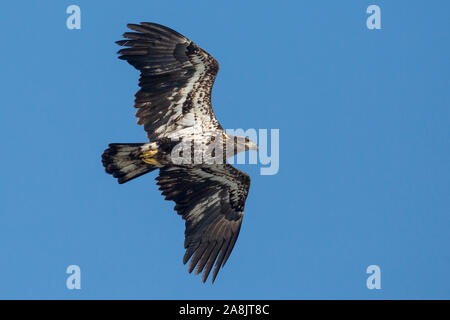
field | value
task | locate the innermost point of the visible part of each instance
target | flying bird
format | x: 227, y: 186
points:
x: 174, y: 106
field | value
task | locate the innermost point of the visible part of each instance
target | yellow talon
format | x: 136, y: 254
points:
x: 149, y: 153
x: 151, y: 161
x: 147, y: 157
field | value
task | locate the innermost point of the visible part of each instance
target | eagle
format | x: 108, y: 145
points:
x: 174, y: 105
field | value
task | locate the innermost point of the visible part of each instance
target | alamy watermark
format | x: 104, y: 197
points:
x: 230, y: 148
x: 374, y: 20
x: 74, y: 20
x: 74, y: 280
x: 374, y: 280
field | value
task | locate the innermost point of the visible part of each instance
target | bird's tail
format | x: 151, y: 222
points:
x: 125, y: 161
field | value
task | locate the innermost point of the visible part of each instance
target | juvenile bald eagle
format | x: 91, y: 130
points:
x: 174, y: 105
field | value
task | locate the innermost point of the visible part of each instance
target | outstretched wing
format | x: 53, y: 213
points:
x: 176, y: 81
x: 211, y: 198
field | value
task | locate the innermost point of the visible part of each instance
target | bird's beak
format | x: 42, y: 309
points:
x: 252, y: 146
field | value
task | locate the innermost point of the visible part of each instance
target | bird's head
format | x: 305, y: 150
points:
x: 242, y: 143
x: 249, y: 144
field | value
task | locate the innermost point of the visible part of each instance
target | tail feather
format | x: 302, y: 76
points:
x: 123, y: 161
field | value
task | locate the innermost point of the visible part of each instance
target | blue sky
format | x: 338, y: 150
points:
x: 364, y: 174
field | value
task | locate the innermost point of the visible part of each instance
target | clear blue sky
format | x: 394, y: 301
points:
x: 364, y: 119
